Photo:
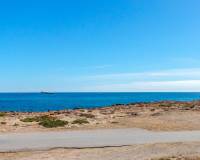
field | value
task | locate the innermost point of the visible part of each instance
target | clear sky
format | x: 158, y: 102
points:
x: 99, y: 45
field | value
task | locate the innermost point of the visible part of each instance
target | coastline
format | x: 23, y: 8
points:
x: 156, y: 116
x: 36, y: 102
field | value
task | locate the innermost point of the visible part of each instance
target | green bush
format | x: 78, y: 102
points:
x: 46, y: 121
x: 80, y: 121
x: 2, y: 114
x: 53, y: 123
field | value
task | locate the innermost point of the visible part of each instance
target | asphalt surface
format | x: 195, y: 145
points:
x: 91, y: 138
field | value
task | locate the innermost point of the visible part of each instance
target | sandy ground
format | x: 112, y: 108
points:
x: 160, y: 116
x: 136, y: 152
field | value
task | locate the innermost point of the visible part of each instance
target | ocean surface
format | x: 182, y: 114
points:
x: 34, y: 102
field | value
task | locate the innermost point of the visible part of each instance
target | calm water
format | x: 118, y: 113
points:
x: 44, y: 102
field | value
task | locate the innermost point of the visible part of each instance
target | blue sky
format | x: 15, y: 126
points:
x: 99, y: 45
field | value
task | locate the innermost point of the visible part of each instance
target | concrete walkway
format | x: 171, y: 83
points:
x: 91, y: 138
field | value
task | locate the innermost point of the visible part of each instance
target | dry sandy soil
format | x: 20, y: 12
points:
x: 160, y: 116
x: 182, y: 151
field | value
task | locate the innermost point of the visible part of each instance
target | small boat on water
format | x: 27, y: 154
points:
x: 43, y: 92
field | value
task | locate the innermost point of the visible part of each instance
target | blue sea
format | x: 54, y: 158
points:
x: 34, y: 102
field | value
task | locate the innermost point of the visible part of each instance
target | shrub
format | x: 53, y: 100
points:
x: 46, y: 121
x: 87, y: 115
x: 37, y: 119
x: 80, y: 121
x: 44, y: 118
x: 53, y: 123
x: 28, y: 119
x: 165, y: 105
x: 2, y: 114
x: 188, y: 106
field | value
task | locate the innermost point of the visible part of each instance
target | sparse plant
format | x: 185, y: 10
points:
x: 2, y: 114
x: 80, y: 121
x: 37, y: 118
x: 28, y: 119
x: 87, y: 115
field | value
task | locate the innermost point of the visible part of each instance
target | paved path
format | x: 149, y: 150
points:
x: 90, y: 138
